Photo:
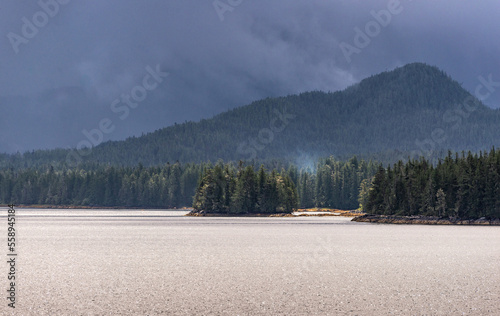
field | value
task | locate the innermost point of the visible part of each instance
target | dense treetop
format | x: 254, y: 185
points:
x: 466, y: 186
x: 223, y: 190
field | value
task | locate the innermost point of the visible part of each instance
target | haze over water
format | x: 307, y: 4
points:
x: 109, y: 262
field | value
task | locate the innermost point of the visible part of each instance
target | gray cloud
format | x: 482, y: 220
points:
x: 89, y: 53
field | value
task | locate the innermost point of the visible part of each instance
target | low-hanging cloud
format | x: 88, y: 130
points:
x: 89, y: 53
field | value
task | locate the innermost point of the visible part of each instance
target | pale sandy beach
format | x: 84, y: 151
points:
x: 92, y: 262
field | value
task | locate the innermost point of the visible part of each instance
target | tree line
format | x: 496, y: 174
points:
x: 337, y: 184
x: 328, y: 183
x: 463, y: 186
x: 171, y: 185
x: 466, y: 186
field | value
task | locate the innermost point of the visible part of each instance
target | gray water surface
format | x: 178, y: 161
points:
x: 150, y: 262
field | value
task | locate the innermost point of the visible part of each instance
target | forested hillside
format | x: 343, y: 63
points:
x: 413, y: 109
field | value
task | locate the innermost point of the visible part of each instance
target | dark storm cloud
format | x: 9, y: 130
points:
x: 64, y: 78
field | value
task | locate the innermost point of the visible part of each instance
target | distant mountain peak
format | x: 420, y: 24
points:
x: 398, y: 110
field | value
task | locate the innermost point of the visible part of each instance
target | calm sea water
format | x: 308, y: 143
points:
x: 135, y: 262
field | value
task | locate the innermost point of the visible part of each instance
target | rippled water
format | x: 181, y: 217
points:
x: 134, y: 262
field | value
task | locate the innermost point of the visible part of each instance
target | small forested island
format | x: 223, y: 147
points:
x: 224, y: 191
x: 464, y: 189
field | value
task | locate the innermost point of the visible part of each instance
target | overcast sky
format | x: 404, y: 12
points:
x: 63, y: 64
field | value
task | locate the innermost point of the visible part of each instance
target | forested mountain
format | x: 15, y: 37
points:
x: 416, y: 108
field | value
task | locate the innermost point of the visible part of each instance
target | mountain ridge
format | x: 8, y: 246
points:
x: 392, y: 111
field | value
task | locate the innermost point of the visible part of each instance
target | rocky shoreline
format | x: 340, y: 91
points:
x: 338, y: 213
x: 424, y: 220
x: 204, y: 214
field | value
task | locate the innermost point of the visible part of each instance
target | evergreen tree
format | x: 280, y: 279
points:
x: 245, y: 197
x: 440, y: 203
x: 376, y: 203
x: 463, y: 186
x: 364, y: 192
